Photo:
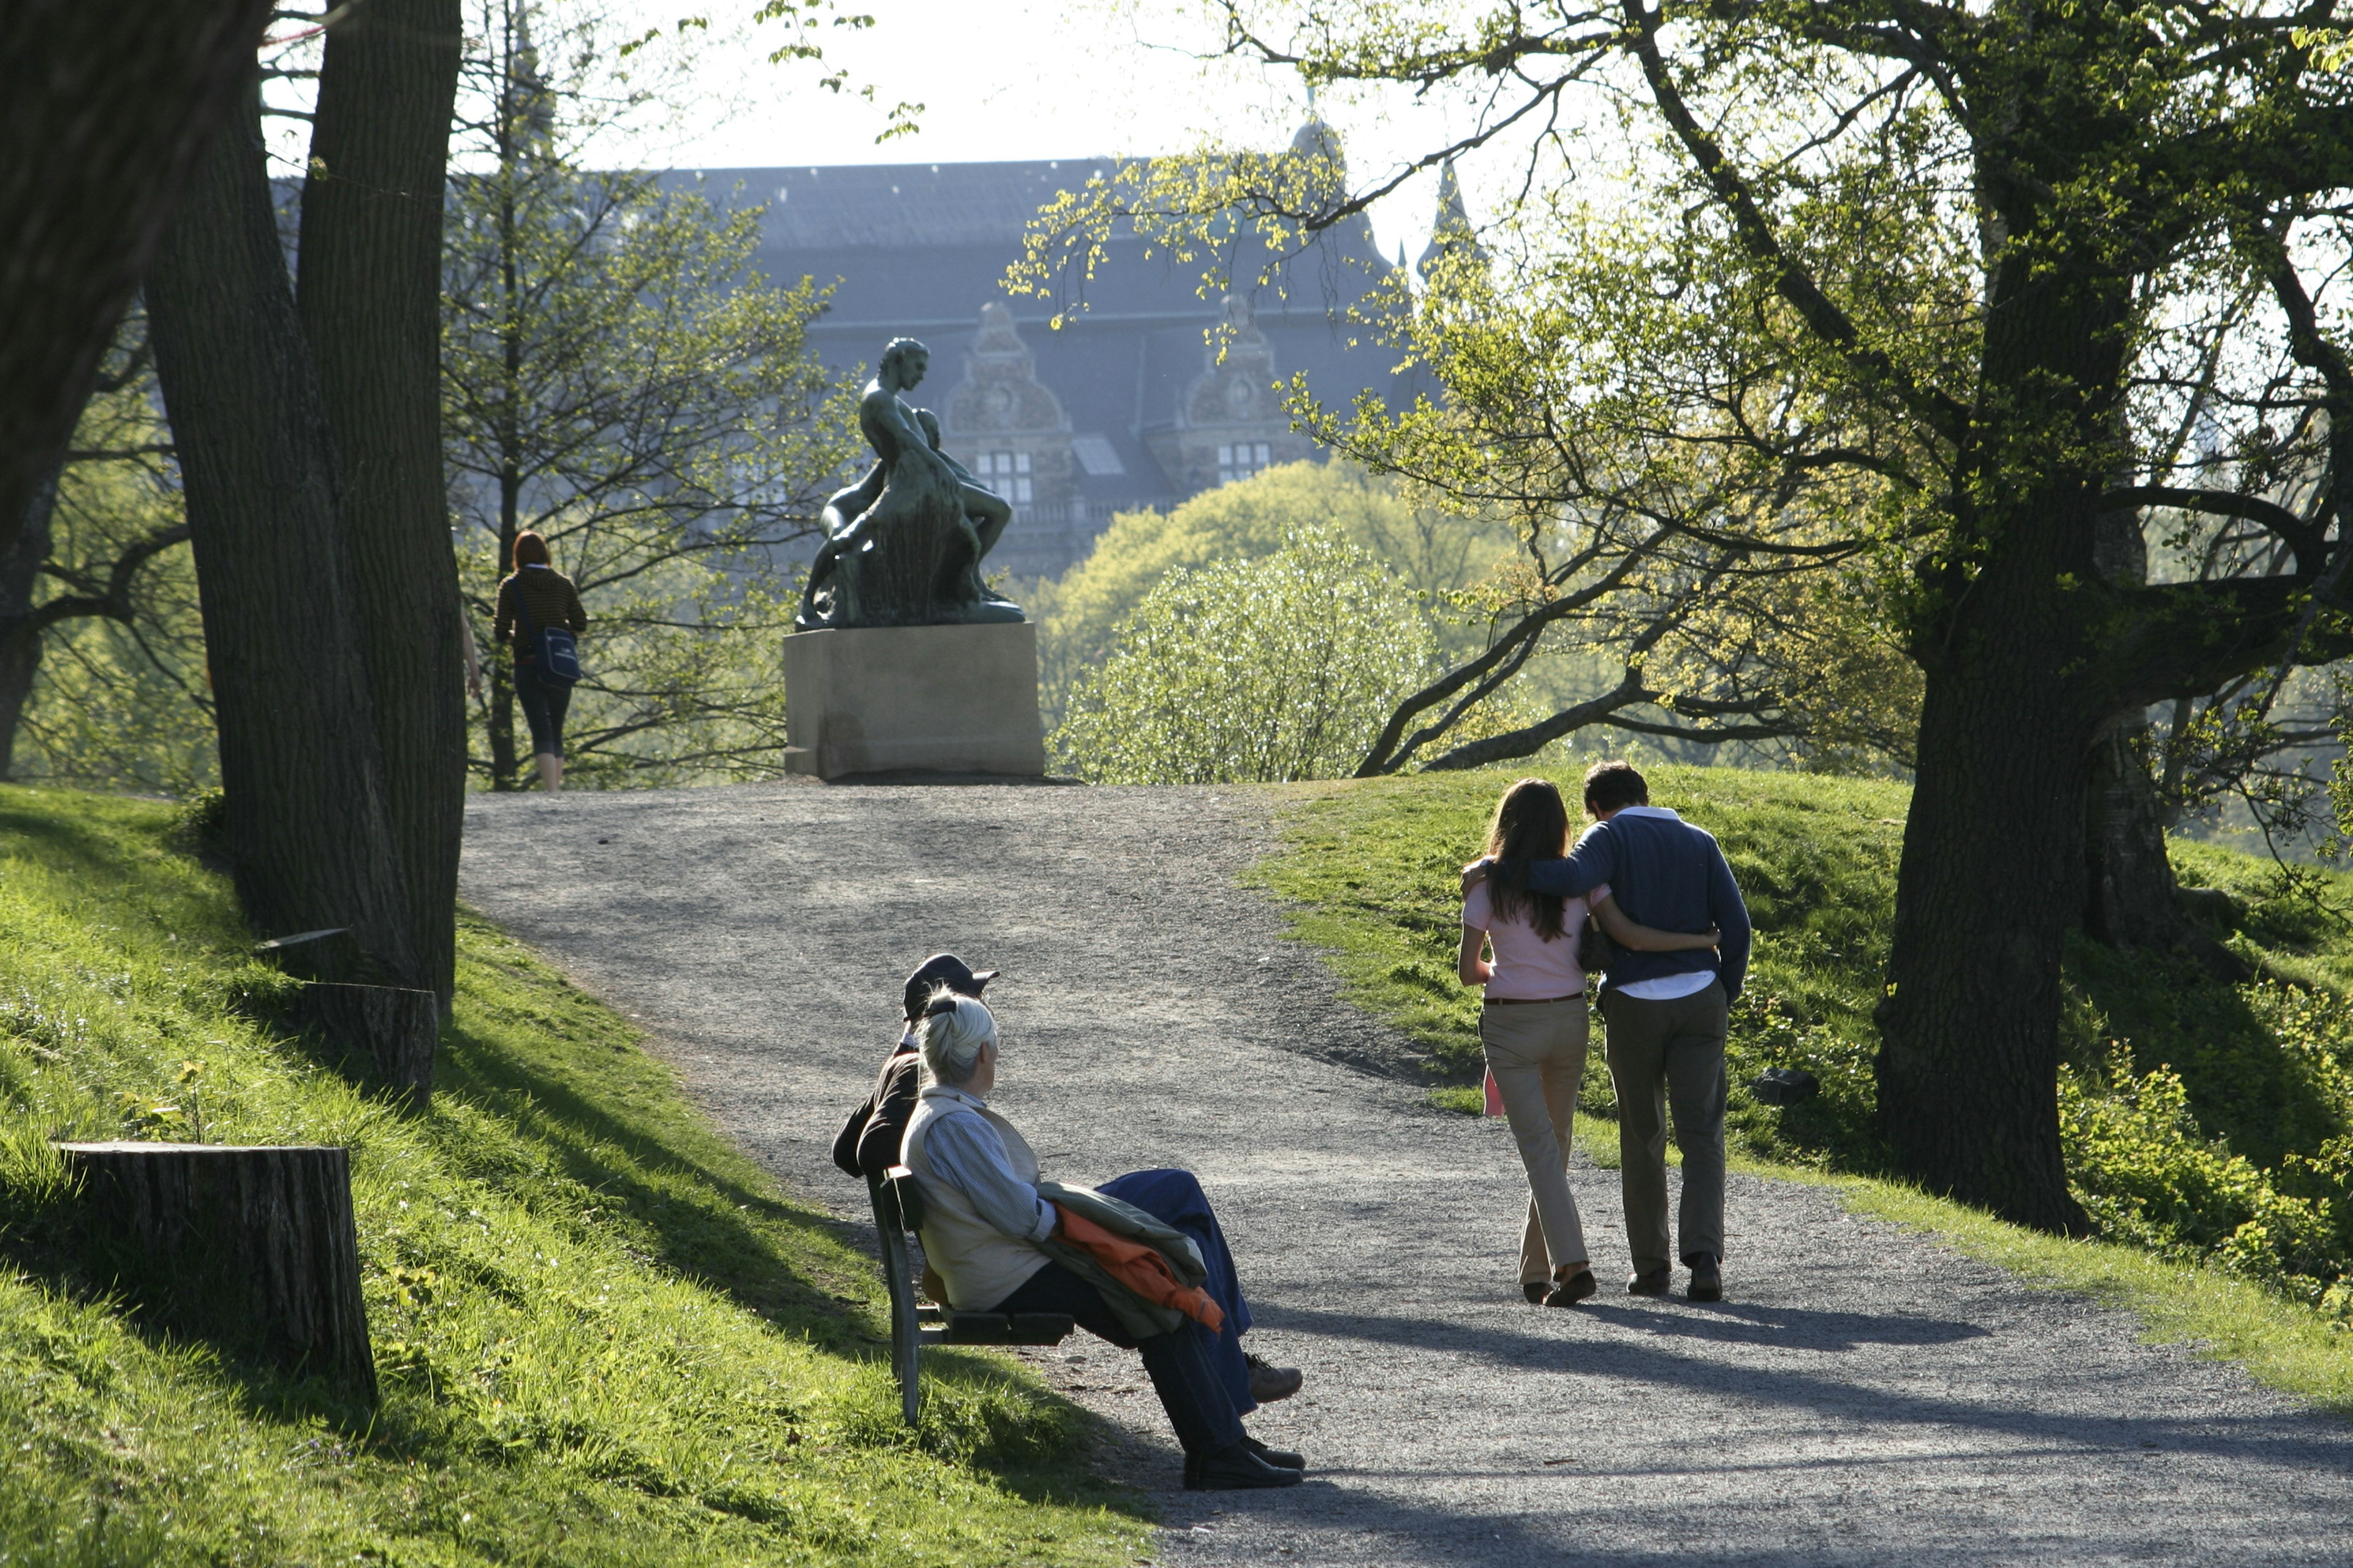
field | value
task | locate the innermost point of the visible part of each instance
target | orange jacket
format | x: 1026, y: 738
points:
x: 1139, y: 1267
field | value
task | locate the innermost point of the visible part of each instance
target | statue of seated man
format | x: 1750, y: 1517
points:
x: 910, y: 470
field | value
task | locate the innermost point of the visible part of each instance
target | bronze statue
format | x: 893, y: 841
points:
x: 904, y: 546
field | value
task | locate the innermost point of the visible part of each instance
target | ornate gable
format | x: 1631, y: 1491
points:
x: 1001, y: 395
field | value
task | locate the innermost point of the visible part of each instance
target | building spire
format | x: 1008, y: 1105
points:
x: 1452, y: 230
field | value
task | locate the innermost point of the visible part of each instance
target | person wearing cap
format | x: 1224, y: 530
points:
x: 868, y: 1143
x: 872, y: 1138
x: 987, y: 1229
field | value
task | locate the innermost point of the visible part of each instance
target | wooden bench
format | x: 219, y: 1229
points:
x: 899, y: 1212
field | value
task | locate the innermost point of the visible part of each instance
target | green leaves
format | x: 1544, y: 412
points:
x: 1278, y: 669
x: 620, y: 377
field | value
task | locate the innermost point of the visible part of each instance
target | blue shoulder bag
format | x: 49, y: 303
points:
x: 555, y: 653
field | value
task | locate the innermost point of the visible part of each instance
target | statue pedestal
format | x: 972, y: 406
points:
x: 959, y: 700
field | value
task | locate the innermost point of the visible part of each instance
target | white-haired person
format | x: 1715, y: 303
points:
x: 984, y: 1220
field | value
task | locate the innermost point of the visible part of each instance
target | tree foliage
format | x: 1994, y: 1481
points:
x: 1435, y: 558
x: 1251, y: 670
x: 117, y: 691
x: 618, y: 376
x: 2012, y: 336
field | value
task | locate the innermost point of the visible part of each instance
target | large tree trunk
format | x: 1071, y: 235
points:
x: 309, y: 828
x: 104, y: 110
x: 370, y: 303
x: 20, y: 633
x: 1991, y: 878
x: 1992, y: 873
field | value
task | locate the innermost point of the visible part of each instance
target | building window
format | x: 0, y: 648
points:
x: 1243, y: 459
x: 1006, y: 473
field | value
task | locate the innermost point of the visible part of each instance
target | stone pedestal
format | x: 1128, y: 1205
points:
x: 960, y: 700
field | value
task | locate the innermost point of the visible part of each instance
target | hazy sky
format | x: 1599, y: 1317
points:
x: 1026, y: 79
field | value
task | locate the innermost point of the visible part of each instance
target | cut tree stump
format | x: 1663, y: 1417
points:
x: 397, y: 1028
x: 252, y: 1249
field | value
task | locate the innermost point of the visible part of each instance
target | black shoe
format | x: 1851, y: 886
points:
x: 1653, y: 1283
x: 1568, y: 1292
x: 1234, y: 1468
x: 1536, y: 1290
x: 1707, y: 1284
x: 1269, y: 1383
x: 1281, y: 1459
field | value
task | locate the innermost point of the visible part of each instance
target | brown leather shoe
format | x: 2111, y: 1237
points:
x: 1655, y: 1282
x: 1707, y: 1283
x: 1536, y: 1290
x: 1269, y: 1383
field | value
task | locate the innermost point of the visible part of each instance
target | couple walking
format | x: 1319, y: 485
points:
x: 1658, y: 891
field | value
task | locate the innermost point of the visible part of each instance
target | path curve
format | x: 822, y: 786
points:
x: 1865, y: 1396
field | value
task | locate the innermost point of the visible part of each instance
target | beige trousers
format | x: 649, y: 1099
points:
x: 1536, y: 1051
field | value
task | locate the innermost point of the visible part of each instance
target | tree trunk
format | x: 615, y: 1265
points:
x: 2134, y: 902
x: 253, y: 1249
x: 398, y: 1029
x: 503, y: 759
x: 105, y: 112
x: 370, y: 264
x: 1991, y: 878
x: 309, y: 831
x: 1992, y: 872
x: 20, y: 634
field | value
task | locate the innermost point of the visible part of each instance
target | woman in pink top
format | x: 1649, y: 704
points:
x: 1533, y: 1024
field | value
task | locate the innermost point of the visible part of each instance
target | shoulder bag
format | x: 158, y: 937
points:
x: 552, y: 649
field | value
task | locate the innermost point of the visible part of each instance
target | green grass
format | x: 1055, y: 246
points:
x: 2245, y: 1165
x: 604, y: 1336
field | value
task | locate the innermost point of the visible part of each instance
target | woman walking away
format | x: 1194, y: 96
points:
x: 1533, y: 1024
x: 533, y: 600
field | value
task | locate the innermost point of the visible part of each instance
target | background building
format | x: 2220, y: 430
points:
x: 1126, y: 404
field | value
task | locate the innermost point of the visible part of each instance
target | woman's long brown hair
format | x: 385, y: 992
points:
x: 1531, y: 824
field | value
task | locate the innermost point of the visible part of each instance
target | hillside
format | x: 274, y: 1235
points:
x: 603, y: 1335
x: 2203, y: 1120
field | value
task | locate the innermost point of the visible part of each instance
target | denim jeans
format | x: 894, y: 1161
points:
x: 1188, y: 1386
x: 1175, y: 1198
x: 543, y: 703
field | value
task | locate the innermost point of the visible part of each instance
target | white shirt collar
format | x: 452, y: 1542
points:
x: 1659, y: 811
x: 946, y: 1091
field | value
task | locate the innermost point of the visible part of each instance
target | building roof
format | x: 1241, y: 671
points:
x: 916, y: 249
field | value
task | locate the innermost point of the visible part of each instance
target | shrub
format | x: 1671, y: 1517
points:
x: 1252, y: 671
x: 2146, y: 1174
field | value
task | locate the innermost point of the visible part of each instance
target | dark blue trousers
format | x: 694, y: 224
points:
x: 1175, y: 1198
x: 1188, y: 1386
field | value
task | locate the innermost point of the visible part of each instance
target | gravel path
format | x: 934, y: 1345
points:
x: 1866, y: 1396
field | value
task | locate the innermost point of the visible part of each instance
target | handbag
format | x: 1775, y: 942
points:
x: 1595, y: 951
x: 555, y: 653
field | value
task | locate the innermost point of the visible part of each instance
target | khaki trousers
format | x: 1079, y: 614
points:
x: 1662, y: 1054
x: 1536, y: 1051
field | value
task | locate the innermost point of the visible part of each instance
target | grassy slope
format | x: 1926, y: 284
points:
x: 1371, y: 867
x: 604, y: 1336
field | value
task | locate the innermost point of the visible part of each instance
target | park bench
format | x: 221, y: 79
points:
x: 898, y: 1213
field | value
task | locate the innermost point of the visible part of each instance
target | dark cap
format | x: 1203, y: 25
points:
x: 942, y: 969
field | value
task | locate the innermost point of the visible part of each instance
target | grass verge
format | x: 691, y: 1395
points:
x: 604, y: 1336
x: 2257, y: 1075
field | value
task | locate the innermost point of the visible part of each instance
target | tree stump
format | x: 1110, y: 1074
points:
x: 251, y: 1249
x: 399, y: 1029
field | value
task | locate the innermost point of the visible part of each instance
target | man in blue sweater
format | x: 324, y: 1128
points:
x: 1665, y: 1012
